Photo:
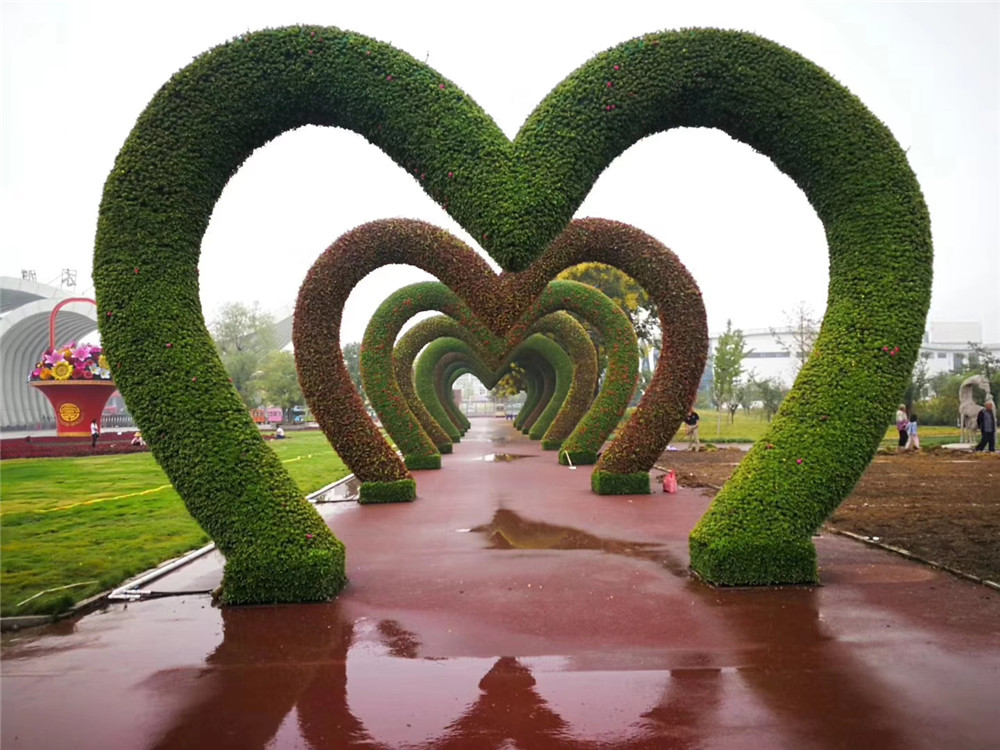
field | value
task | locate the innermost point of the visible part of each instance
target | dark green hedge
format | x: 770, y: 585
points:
x: 373, y: 493
x: 606, y: 483
x: 515, y: 198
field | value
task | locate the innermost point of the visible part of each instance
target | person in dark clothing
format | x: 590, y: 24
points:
x: 691, y: 433
x: 987, y: 424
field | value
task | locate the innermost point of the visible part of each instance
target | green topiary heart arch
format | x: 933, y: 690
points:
x: 432, y: 374
x: 379, y: 373
x: 567, y: 332
x: 516, y: 197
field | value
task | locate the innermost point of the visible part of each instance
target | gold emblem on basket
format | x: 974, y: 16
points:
x: 69, y: 413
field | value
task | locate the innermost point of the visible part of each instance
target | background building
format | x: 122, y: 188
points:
x: 947, y: 347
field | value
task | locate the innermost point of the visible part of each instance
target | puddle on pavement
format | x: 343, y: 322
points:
x: 504, y: 457
x: 349, y: 489
x: 508, y: 530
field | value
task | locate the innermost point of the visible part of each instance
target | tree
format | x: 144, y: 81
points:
x: 919, y: 381
x: 278, y: 381
x: 244, y: 336
x: 510, y: 384
x: 800, y: 332
x: 352, y: 360
x: 629, y: 296
x: 985, y: 362
x: 771, y: 393
x: 625, y: 292
x: 239, y: 328
x: 745, y: 394
x: 727, y: 365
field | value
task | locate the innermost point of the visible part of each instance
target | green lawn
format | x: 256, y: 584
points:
x: 107, y: 518
x: 748, y: 428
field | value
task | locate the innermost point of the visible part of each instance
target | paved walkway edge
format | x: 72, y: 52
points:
x: 910, y: 556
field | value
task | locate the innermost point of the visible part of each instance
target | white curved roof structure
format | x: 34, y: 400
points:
x: 25, y: 307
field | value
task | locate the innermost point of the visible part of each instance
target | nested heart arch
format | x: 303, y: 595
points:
x: 433, y: 372
x: 516, y: 197
x: 405, y: 352
x: 573, y: 338
x: 555, y: 387
x: 379, y: 375
x: 568, y: 333
x: 445, y: 359
x: 432, y: 385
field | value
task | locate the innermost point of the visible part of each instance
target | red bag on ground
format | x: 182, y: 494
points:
x: 670, y: 482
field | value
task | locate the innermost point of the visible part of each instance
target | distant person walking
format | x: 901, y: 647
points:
x: 691, y: 432
x: 913, y: 443
x: 987, y: 424
x: 902, y: 421
x: 95, y: 432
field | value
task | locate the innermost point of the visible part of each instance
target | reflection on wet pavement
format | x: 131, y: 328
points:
x: 508, y: 530
x: 310, y: 677
x: 504, y: 457
x: 347, y: 489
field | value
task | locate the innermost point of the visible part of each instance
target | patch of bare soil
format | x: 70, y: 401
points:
x: 940, y: 505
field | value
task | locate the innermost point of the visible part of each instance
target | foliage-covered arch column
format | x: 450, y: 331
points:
x: 573, y: 338
x: 445, y: 385
x: 532, y: 392
x: 547, y: 379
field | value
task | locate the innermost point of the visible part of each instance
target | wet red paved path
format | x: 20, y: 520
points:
x: 508, y: 607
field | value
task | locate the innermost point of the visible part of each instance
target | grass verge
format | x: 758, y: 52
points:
x: 98, y: 521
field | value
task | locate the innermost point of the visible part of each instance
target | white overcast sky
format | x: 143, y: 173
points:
x: 75, y: 75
